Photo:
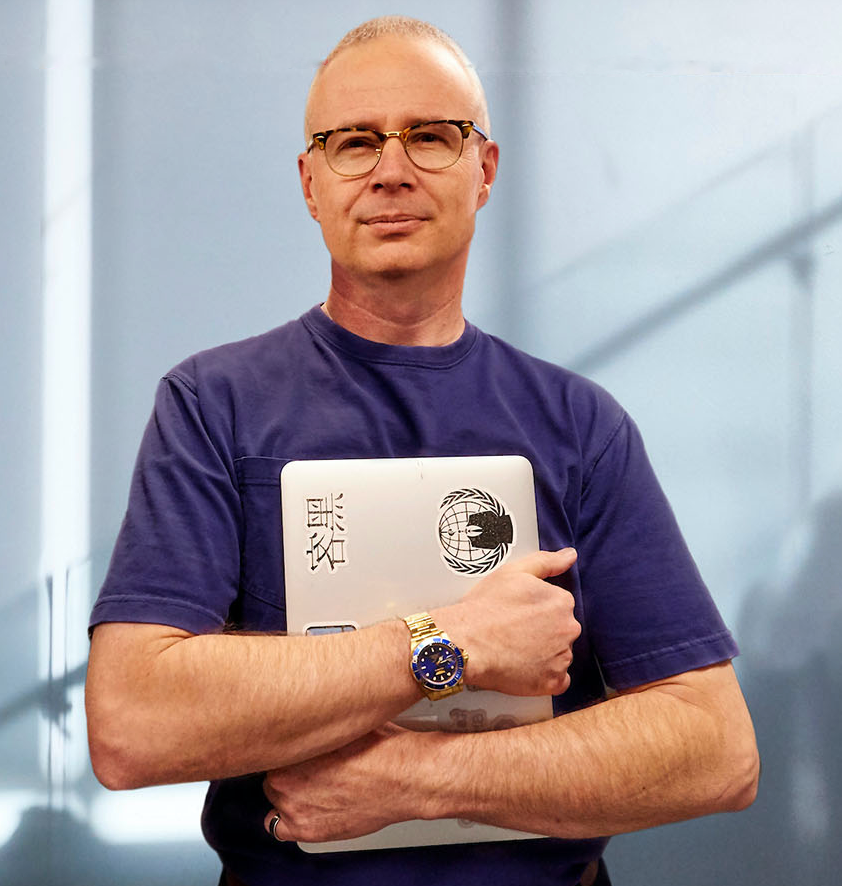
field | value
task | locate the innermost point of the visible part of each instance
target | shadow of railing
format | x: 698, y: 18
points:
x: 676, y: 305
x: 49, y: 696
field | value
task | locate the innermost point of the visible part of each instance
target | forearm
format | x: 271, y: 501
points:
x: 171, y: 707
x: 165, y: 706
x: 635, y: 761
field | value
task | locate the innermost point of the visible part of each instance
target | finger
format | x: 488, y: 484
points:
x: 545, y: 564
x: 269, y: 790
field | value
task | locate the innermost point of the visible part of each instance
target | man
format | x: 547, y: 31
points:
x: 399, y: 159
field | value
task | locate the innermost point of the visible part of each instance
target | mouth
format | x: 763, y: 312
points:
x: 397, y: 225
x: 398, y: 219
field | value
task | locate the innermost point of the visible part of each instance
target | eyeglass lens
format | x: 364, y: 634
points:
x: 431, y: 146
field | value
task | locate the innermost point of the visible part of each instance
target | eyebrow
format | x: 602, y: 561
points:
x: 414, y: 121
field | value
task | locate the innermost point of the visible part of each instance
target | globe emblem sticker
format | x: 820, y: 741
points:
x: 475, y: 532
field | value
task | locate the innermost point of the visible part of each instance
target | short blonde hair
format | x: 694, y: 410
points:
x: 403, y: 26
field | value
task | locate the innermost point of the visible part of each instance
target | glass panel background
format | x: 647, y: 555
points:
x: 668, y: 220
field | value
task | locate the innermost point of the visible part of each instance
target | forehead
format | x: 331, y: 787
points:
x: 391, y: 81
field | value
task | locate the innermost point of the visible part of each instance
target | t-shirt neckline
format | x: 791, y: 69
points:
x: 441, y: 357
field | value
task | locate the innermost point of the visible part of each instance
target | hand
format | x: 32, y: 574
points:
x: 517, y: 628
x: 352, y: 791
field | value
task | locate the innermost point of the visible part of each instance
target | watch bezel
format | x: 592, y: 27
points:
x: 453, y: 680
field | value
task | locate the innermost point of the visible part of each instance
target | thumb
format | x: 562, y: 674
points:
x: 545, y: 564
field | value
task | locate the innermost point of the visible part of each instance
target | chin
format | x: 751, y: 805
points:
x: 394, y: 272
x: 395, y: 267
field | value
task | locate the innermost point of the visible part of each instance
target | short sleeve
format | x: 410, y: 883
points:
x: 647, y: 610
x: 177, y: 556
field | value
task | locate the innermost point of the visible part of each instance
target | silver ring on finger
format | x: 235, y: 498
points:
x: 273, y: 823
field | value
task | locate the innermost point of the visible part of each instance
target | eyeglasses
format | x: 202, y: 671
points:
x: 350, y: 151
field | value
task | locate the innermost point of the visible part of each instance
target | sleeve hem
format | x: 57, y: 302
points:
x: 143, y: 610
x: 660, y: 664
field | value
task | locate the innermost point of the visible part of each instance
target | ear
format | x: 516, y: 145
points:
x: 306, y: 175
x: 489, y: 157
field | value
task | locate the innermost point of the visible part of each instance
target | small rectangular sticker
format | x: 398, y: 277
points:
x: 326, y: 531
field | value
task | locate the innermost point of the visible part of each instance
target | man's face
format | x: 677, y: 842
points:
x: 397, y: 219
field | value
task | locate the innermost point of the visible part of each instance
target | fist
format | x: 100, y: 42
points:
x: 517, y: 628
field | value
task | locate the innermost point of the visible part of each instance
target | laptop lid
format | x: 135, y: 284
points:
x: 366, y: 540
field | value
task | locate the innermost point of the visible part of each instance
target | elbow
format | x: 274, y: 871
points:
x: 737, y: 758
x: 745, y: 780
x: 740, y: 773
x: 115, y: 744
x: 114, y: 762
x: 108, y: 770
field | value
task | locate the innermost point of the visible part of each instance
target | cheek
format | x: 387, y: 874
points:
x: 469, y: 189
x: 331, y: 232
x: 326, y: 197
x: 329, y: 211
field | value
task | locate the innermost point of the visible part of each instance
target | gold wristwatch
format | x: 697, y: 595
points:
x: 437, y: 663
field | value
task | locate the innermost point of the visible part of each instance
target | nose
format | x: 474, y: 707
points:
x: 394, y: 169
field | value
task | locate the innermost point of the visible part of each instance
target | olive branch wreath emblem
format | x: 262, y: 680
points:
x: 495, y: 556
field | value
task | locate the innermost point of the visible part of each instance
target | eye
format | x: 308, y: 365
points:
x: 354, y: 141
x: 435, y: 139
x: 426, y: 137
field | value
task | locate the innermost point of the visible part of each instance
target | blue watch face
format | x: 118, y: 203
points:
x: 438, y: 664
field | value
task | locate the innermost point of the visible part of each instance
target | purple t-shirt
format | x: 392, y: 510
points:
x: 200, y: 546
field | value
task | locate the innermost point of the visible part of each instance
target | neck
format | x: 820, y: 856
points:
x: 397, y: 311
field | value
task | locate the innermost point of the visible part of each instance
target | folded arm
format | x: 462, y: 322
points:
x: 168, y: 706
x: 667, y: 751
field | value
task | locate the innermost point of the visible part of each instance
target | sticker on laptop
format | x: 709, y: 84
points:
x: 326, y: 535
x: 475, y: 531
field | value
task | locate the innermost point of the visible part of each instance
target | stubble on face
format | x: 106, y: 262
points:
x: 398, y: 220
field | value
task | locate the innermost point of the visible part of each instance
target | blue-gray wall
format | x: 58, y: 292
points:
x: 667, y: 219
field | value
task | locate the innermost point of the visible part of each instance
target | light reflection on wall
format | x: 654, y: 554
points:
x: 738, y: 394
x: 66, y: 353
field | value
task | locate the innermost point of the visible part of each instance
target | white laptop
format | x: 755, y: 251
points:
x: 371, y: 539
